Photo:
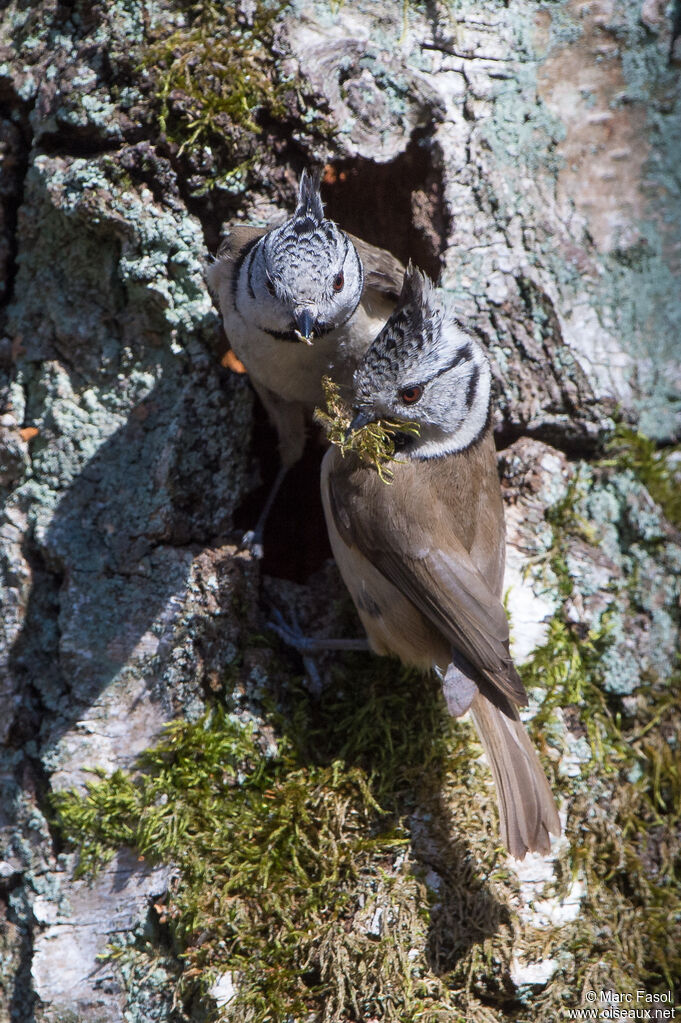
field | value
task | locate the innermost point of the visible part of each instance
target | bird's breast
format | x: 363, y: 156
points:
x: 292, y: 369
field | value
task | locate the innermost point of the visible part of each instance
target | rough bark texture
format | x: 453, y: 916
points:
x: 529, y: 154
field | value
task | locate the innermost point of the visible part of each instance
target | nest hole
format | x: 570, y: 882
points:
x: 397, y: 205
x: 295, y: 541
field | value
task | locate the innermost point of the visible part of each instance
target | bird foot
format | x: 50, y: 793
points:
x: 459, y: 690
x: 253, y: 541
x: 292, y: 634
x: 309, y: 646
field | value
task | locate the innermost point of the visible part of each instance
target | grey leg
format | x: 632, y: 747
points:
x: 252, y: 540
x: 292, y: 635
x: 308, y: 646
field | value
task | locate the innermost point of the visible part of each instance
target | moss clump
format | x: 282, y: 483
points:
x: 374, y: 444
x: 658, y: 470
x: 623, y: 791
x: 268, y: 851
x: 295, y: 866
x: 216, y: 75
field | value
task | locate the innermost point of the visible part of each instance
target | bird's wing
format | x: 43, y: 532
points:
x: 442, y: 581
x: 382, y: 271
x: 448, y: 589
x: 239, y: 237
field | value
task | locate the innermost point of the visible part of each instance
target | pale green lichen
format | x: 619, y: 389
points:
x: 659, y: 470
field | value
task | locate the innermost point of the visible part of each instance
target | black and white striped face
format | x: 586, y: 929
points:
x: 425, y: 368
x: 304, y: 278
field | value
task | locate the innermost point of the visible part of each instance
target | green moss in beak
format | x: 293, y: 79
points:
x: 374, y: 443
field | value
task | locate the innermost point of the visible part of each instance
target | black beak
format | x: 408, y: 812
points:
x: 361, y: 419
x: 305, y: 325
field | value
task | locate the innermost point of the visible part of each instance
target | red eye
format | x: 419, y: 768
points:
x: 410, y: 395
x: 338, y: 281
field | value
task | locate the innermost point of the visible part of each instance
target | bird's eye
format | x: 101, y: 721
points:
x: 338, y: 281
x: 410, y: 395
x: 269, y: 284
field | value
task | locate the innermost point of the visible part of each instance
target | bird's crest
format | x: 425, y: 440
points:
x: 417, y: 291
x: 309, y: 197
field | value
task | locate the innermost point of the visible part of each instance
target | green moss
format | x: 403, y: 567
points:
x: 266, y: 849
x: 374, y: 443
x: 294, y: 868
x: 659, y: 470
x: 623, y: 790
x: 218, y: 75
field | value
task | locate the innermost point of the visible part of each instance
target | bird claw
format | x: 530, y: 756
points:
x: 252, y: 541
x: 292, y: 634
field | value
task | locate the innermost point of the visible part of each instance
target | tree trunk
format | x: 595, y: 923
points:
x: 526, y: 154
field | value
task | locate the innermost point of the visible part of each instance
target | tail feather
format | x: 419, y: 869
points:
x: 527, y: 811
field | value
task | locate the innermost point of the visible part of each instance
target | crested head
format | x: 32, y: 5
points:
x: 309, y: 197
x: 304, y: 277
x: 424, y: 367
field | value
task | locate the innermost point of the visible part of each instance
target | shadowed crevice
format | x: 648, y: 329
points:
x: 397, y: 205
x: 17, y: 914
x: 15, y: 143
x: 296, y: 542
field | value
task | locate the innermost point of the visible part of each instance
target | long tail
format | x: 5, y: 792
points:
x: 527, y: 811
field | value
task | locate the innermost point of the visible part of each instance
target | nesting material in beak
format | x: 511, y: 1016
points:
x: 304, y: 326
x: 361, y: 419
x: 371, y: 439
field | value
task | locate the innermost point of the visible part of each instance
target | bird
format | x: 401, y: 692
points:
x: 300, y: 301
x: 423, y: 557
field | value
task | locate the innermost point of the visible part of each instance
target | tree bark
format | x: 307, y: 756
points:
x: 525, y: 153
